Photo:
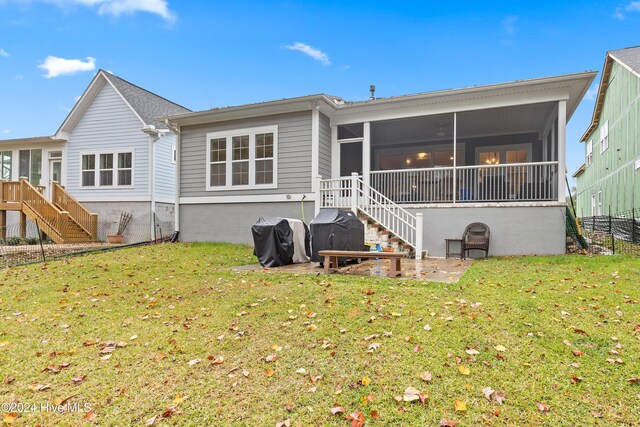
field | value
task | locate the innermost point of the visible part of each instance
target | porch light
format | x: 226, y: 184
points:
x: 408, y: 161
x: 422, y: 155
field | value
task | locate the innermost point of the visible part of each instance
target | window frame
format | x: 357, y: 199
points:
x: 589, y: 157
x: 115, y: 169
x: 604, y: 137
x: 228, y: 136
x: 10, y: 164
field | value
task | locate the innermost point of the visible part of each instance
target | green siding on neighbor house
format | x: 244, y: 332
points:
x: 614, y: 172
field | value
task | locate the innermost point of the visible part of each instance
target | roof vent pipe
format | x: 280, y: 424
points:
x: 372, y: 89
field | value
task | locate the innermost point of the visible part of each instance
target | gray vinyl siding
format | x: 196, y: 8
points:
x: 324, y: 166
x: 108, y: 125
x: 165, y: 183
x: 294, y: 155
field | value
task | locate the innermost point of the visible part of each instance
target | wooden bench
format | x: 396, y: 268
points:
x: 331, y: 258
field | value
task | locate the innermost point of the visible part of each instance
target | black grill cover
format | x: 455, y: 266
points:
x: 272, y: 241
x: 335, y: 229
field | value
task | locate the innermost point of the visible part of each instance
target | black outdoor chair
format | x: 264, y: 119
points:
x: 476, y: 236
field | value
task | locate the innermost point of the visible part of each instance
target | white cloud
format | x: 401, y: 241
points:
x: 633, y: 6
x: 61, y: 67
x: 314, y: 53
x: 3, y: 52
x: 509, y: 24
x: 117, y: 7
x: 591, y: 93
x: 6, y: 131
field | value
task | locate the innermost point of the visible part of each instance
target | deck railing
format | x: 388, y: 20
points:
x: 87, y: 220
x: 515, y: 182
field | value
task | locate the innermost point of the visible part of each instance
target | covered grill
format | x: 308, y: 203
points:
x: 336, y: 229
x: 272, y: 241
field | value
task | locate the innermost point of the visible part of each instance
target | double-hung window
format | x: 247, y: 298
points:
x: 30, y: 165
x: 242, y: 159
x: 589, y: 158
x: 604, y: 137
x: 111, y: 169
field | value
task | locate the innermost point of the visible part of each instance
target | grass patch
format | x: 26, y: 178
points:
x: 175, y: 304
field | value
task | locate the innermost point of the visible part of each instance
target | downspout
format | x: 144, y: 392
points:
x: 154, y: 135
x: 176, y: 208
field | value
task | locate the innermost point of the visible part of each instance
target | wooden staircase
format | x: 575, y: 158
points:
x: 63, y: 218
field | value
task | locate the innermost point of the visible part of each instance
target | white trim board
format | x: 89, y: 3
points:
x: 268, y: 198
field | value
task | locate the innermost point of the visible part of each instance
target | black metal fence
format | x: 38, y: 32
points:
x: 614, y: 233
x: 28, y: 243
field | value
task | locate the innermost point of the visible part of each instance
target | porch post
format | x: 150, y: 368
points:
x: 419, y: 231
x: 335, y: 153
x: 366, y: 152
x: 562, y: 149
x: 317, y: 203
x: 354, y: 192
x: 455, y: 157
x: 315, y: 146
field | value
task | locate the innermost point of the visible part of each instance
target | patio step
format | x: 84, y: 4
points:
x: 375, y: 233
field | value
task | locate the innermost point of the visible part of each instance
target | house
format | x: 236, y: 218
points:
x: 609, y: 179
x: 110, y: 154
x: 423, y: 166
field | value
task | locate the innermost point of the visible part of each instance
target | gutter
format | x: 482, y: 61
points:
x: 154, y: 135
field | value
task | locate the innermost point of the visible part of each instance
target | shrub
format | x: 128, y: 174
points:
x: 31, y: 240
x: 14, y: 241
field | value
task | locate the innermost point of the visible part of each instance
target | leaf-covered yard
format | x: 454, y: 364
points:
x: 166, y: 335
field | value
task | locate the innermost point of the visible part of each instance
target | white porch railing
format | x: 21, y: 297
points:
x: 352, y: 193
x: 486, y: 183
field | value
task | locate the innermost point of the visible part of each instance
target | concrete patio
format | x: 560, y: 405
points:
x: 428, y: 270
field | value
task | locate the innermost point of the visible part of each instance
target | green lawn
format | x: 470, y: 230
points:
x: 538, y: 329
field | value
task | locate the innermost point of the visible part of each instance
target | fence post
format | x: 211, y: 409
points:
x: 633, y: 225
x: 419, y: 230
x: 613, y: 243
x: 354, y: 192
x: 44, y: 259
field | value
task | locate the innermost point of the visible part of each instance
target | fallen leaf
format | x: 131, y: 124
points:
x: 356, y: 418
x: 90, y: 416
x: 337, y: 409
x: 159, y: 357
x: 365, y: 381
x: 373, y: 347
x: 500, y: 348
x: 427, y: 327
x: 464, y: 370
x: 218, y: 361
x: 460, y: 405
x: 488, y: 392
x: 285, y: 423
x: 576, y: 380
x: 425, y: 376
x: 151, y: 421
x: 271, y: 358
x: 447, y: 423
x: 106, y: 357
x: 472, y: 351
x: 78, y: 379
x: 577, y: 353
x: 10, y: 417
x: 543, y: 407
x: 39, y: 387
x: 269, y: 372
x: 193, y: 362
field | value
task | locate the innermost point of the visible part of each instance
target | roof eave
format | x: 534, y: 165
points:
x: 281, y: 106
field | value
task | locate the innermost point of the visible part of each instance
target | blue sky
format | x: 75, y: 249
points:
x: 205, y: 54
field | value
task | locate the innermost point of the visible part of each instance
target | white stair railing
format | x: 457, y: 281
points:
x: 355, y: 194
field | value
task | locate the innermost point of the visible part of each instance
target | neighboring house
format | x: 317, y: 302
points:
x: 425, y: 165
x: 609, y: 180
x: 110, y: 153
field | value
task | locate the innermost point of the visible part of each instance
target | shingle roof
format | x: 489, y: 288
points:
x: 148, y: 105
x: 629, y: 56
